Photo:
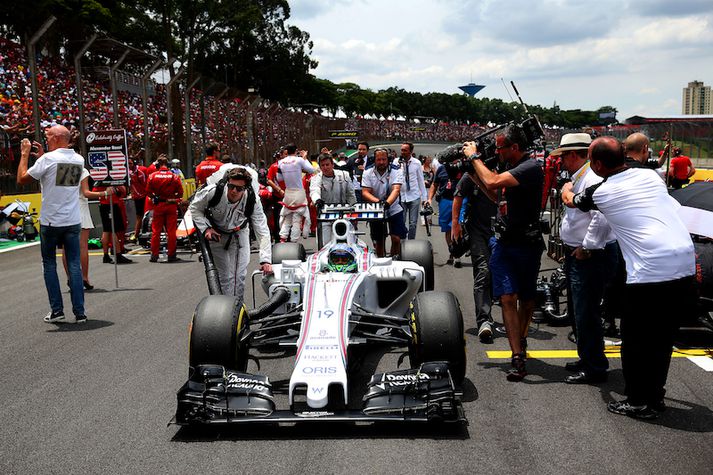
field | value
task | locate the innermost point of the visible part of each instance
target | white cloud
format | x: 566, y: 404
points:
x: 579, y: 53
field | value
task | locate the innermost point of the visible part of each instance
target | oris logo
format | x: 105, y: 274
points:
x: 320, y: 370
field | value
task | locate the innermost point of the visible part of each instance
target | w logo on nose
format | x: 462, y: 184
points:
x: 317, y: 390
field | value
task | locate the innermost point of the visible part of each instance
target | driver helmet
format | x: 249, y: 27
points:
x: 341, y: 259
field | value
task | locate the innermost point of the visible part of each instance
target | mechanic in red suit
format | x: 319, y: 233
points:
x: 681, y: 169
x: 165, y: 190
x: 210, y: 165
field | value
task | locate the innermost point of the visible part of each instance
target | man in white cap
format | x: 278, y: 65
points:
x: 590, y: 261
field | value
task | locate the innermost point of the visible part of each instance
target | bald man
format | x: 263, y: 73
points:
x: 660, y: 270
x: 59, y: 172
x: 636, y: 147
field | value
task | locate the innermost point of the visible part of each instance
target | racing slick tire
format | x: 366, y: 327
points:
x: 420, y: 252
x: 218, y: 323
x: 288, y: 251
x: 437, y: 332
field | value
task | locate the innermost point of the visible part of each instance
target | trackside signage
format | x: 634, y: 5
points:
x: 107, y: 157
x: 343, y: 134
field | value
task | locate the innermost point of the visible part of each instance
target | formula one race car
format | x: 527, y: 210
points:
x: 327, y: 309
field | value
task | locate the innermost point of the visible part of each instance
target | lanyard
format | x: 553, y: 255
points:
x: 579, y: 175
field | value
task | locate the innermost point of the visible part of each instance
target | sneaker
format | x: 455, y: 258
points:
x: 153, y: 259
x: 54, y: 317
x: 457, y: 264
x: 108, y: 259
x: 80, y: 319
x: 121, y: 259
x: 485, y: 333
x: 518, y: 371
x: 625, y: 408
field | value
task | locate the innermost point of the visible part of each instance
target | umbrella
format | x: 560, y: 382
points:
x: 696, y: 207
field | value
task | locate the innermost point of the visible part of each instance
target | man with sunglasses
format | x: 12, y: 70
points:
x: 224, y: 213
x: 517, y: 245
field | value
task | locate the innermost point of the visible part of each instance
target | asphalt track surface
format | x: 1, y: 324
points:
x: 96, y: 398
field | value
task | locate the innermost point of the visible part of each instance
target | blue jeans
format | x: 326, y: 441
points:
x: 68, y: 237
x: 586, y: 280
x: 411, y: 209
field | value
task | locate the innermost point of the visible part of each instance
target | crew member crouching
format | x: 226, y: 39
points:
x: 223, y: 213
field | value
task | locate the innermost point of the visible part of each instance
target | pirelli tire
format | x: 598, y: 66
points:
x: 420, y: 252
x: 218, y: 324
x: 437, y: 332
x: 288, y: 251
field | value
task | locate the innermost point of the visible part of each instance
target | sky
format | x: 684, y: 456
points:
x: 635, y: 55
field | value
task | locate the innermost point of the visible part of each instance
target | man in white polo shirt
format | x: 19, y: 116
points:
x: 660, y: 270
x: 59, y: 172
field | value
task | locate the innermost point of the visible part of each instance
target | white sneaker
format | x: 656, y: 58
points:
x: 54, y: 317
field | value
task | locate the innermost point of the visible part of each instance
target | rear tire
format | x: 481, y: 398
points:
x: 437, y: 332
x: 420, y: 252
x: 288, y: 251
x: 218, y: 323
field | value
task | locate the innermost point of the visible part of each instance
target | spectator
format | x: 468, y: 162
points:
x: 681, y: 169
x: 59, y: 172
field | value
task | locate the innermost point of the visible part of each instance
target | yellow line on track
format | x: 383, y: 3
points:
x: 610, y: 352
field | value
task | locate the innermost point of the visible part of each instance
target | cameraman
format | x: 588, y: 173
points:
x: 517, y: 244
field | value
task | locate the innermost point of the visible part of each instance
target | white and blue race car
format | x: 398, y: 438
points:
x: 326, y: 309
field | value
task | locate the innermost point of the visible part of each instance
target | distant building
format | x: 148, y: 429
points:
x: 696, y: 98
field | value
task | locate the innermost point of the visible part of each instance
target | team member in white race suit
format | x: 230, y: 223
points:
x: 225, y: 222
x: 294, y: 203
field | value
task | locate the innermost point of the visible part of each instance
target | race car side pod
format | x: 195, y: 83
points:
x: 279, y: 297
x: 211, y: 273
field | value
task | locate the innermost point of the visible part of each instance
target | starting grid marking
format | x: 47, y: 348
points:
x: 702, y: 357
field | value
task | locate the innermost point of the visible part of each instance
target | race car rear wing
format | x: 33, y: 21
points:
x: 358, y: 211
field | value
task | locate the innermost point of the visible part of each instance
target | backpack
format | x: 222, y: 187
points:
x: 220, y: 186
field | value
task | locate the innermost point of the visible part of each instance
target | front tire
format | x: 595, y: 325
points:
x: 420, y: 252
x: 437, y: 332
x: 218, y: 323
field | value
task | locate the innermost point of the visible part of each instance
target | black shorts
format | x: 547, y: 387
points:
x: 396, y: 226
x: 139, y: 205
x: 119, y: 225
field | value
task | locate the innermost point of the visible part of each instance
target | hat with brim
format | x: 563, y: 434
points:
x: 572, y: 142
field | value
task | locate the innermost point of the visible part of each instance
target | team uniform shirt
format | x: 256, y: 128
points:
x: 352, y: 166
x: 59, y: 173
x: 414, y: 189
x: 164, y: 185
x: 290, y: 170
x: 654, y: 241
x: 590, y: 229
x: 381, y: 185
x: 334, y: 189
x: 206, y: 168
x: 220, y: 173
x: 138, y: 179
x: 229, y: 216
x: 679, y: 167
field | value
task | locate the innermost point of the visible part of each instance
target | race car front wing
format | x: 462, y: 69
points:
x: 216, y: 395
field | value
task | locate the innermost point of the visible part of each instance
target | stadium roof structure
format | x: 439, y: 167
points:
x: 639, y: 120
x: 471, y: 88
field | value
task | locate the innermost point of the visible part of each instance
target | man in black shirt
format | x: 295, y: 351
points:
x: 480, y: 210
x: 517, y: 244
x: 636, y: 147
